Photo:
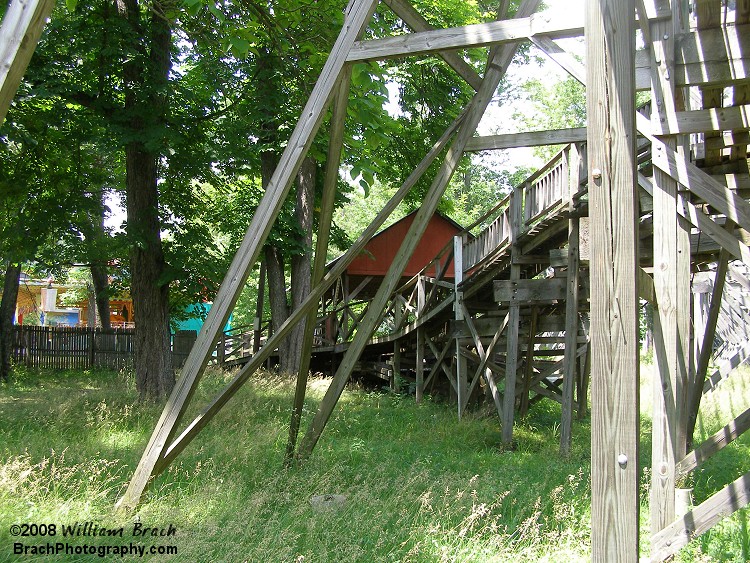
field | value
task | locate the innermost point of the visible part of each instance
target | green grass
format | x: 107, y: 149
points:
x: 420, y: 485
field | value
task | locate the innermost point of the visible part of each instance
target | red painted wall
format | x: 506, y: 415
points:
x: 380, y: 251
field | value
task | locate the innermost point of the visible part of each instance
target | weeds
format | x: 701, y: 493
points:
x: 419, y: 485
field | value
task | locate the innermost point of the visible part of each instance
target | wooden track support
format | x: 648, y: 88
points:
x: 514, y: 311
x: 500, y: 59
x: 325, y: 220
x: 702, y: 518
x: 571, y: 307
x: 22, y: 26
x: 459, y: 311
x: 355, y: 21
x: 671, y: 285
x: 610, y: 44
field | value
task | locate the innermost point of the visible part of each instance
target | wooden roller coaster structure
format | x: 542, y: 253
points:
x: 660, y: 196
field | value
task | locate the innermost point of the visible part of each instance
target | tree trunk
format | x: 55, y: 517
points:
x: 101, y: 292
x: 7, y: 310
x: 276, y: 279
x: 301, y: 268
x: 146, y: 83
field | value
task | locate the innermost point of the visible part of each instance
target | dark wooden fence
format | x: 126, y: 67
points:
x: 82, y: 348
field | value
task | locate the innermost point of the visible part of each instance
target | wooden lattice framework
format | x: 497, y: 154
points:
x: 686, y: 198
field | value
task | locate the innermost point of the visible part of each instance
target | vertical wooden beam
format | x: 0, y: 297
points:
x: 613, y: 200
x: 583, y: 382
x: 672, y: 285
x: 419, y: 372
x: 258, y: 320
x: 396, y: 367
x: 570, y: 363
x: 708, y: 15
x: 333, y: 162
x: 523, y: 407
x: 311, y: 301
x: 459, y: 313
x: 511, y: 353
x: 696, y: 391
x: 22, y: 26
x: 344, y: 323
x: 499, y: 60
x: 356, y: 19
x: 741, y: 91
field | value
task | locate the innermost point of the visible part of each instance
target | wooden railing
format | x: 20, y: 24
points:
x: 493, y: 236
x: 541, y: 195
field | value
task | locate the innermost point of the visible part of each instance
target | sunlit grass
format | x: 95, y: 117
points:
x: 419, y: 484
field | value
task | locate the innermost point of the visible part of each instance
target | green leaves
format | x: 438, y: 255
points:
x: 193, y: 7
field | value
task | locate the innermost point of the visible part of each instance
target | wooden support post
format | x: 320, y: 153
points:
x: 396, y: 367
x: 613, y: 200
x: 500, y: 59
x: 221, y: 350
x: 258, y: 320
x: 583, y: 382
x: 311, y: 301
x: 459, y: 310
x: 21, y: 28
x: 511, y: 353
x: 701, y: 369
x: 702, y: 518
x: 419, y: 368
x: 571, y: 324
x: 340, y: 103
x: 708, y: 15
x: 672, y: 286
x: 528, y: 375
x: 356, y: 19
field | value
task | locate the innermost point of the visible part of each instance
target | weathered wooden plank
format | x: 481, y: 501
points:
x: 571, y: 324
x: 560, y: 56
x: 488, y: 377
x: 440, y: 356
x: 714, y: 444
x: 511, y: 354
x: 671, y: 244
x: 459, y: 309
x: 706, y: 346
x: 419, y: 367
x: 702, y: 518
x: 527, y: 139
x: 739, y: 183
x: 704, y: 120
x: 701, y: 184
x: 610, y: 78
x: 21, y: 28
x: 411, y: 17
x: 478, y: 35
x: 706, y: 224
x: 723, y: 370
x: 646, y: 287
x: 325, y: 220
x: 356, y: 19
x: 527, y: 291
x: 728, y: 139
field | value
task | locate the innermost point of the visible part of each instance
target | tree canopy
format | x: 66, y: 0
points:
x: 183, y: 109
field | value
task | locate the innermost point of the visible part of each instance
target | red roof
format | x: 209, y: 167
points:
x: 381, y: 250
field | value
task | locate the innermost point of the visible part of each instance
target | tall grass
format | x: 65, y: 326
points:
x: 419, y: 484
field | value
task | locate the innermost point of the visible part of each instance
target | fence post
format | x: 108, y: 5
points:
x: 92, y: 345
